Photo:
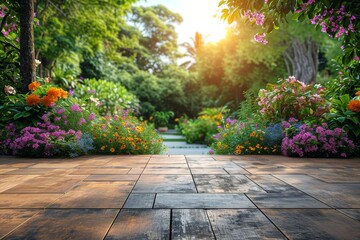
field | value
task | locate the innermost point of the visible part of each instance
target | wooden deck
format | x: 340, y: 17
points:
x: 179, y: 197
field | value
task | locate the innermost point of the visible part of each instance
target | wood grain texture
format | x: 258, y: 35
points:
x: 141, y: 224
x: 190, y: 224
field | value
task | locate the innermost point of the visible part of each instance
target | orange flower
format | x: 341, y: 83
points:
x: 53, y: 93
x: 47, y: 100
x: 34, y: 85
x: 357, y: 93
x: 32, y: 99
x: 63, y: 94
x: 354, y: 105
x: 112, y: 149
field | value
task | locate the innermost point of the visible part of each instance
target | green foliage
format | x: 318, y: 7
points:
x: 249, y: 107
x: 109, y: 97
x: 161, y: 119
x: 202, y: 129
x: 341, y: 117
x: 15, y: 110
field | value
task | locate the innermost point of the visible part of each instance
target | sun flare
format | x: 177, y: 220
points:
x: 202, y: 17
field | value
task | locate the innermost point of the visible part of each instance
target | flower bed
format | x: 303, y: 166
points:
x: 48, y: 122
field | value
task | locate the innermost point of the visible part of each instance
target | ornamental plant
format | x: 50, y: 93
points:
x: 241, y: 138
x: 44, y: 140
x: 109, y: 98
x: 302, y: 140
x: 125, y: 134
x: 202, y: 129
x: 292, y: 98
x: 161, y: 119
x: 27, y: 109
x: 345, y: 114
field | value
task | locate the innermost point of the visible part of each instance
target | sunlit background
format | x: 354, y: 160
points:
x: 198, y: 16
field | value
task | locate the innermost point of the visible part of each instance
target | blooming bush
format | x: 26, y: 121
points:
x: 125, y: 134
x: 48, y: 123
x: 302, y: 140
x: 202, y: 129
x: 108, y: 97
x: 292, y: 98
x: 243, y: 138
x: 46, y: 140
x: 345, y: 114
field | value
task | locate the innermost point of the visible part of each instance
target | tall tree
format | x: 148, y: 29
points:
x: 27, y: 51
x: 192, y: 50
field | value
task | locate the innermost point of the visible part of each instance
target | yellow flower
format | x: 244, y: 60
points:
x: 253, y: 134
x: 122, y: 147
x: 103, y: 148
x: 257, y: 146
x: 112, y: 149
x: 252, y: 148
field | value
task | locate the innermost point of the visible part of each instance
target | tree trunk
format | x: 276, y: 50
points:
x: 302, y: 60
x: 27, y: 51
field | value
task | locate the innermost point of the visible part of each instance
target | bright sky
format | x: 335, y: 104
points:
x: 198, y: 16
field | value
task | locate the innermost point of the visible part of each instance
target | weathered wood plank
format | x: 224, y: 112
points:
x: 141, y: 224
x: 190, y: 224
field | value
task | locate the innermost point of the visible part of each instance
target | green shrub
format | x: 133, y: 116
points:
x: 109, y: 97
x: 202, y: 129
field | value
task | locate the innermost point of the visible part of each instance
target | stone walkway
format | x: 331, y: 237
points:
x: 176, y: 145
x: 179, y: 197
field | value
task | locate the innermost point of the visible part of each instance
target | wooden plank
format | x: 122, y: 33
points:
x: 225, y: 184
x: 141, y: 224
x: 202, y: 200
x: 240, y: 224
x: 314, y: 224
x: 140, y: 200
x: 190, y: 224
x: 12, y: 218
x: 67, y: 224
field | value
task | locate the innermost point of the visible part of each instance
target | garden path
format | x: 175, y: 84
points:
x: 179, y: 197
x: 176, y: 145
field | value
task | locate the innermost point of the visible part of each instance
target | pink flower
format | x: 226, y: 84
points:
x: 75, y: 108
x: 356, y: 58
x: 92, y: 116
x: 81, y: 121
x: 260, y: 38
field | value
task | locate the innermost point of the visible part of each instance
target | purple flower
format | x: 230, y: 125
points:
x: 91, y: 91
x: 75, y: 108
x: 92, y: 116
x: 61, y: 111
x: 285, y: 124
x: 81, y: 121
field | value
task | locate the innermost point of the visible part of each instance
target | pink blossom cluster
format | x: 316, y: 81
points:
x: 257, y: 17
x: 59, y: 115
x: 303, y: 140
x: 261, y: 38
x: 329, y: 21
x: 9, y: 26
x: 38, y: 140
x: 292, y: 98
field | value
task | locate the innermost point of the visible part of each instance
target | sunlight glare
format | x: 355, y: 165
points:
x: 200, y: 16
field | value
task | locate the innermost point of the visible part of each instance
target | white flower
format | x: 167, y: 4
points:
x: 9, y: 90
x: 37, y: 63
